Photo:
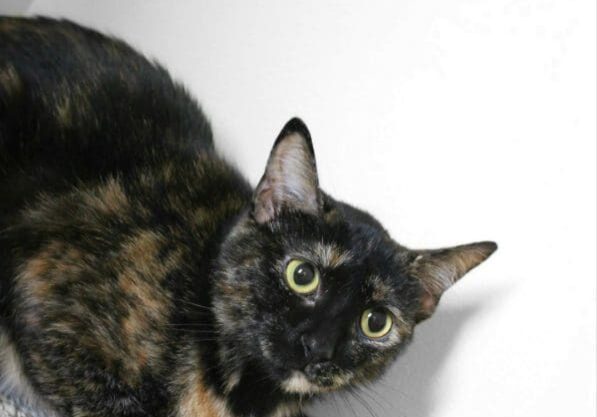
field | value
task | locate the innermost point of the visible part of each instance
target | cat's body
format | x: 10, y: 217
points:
x: 138, y: 270
x: 126, y: 161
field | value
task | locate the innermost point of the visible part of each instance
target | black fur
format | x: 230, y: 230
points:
x: 140, y: 273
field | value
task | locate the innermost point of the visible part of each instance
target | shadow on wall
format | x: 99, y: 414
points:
x: 15, y: 7
x: 408, y: 389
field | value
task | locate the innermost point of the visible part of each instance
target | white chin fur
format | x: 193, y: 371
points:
x: 297, y: 383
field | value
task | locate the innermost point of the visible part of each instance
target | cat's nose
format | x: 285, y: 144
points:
x: 318, y: 349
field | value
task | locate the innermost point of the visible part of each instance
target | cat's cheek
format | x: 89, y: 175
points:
x: 234, y: 307
x: 343, y: 379
x: 368, y: 361
x: 276, y: 345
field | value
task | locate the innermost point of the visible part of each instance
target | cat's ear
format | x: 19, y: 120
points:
x: 290, y: 179
x: 439, y: 269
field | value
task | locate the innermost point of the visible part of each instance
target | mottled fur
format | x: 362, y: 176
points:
x: 140, y: 274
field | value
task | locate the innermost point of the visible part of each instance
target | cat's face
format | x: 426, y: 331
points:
x: 320, y: 302
x: 314, y: 292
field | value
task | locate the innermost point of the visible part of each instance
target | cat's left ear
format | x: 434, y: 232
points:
x: 439, y: 269
x: 290, y: 180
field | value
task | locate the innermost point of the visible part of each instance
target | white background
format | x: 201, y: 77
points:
x: 452, y: 121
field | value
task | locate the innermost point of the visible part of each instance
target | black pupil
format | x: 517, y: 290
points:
x: 303, y: 275
x: 377, y: 320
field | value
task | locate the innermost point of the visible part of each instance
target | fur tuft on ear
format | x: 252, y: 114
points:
x: 439, y: 269
x: 290, y: 179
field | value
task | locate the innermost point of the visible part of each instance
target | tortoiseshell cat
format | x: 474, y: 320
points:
x: 141, y: 275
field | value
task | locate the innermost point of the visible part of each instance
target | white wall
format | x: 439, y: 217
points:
x: 452, y: 121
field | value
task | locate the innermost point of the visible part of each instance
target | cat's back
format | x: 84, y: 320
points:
x: 76, y: 102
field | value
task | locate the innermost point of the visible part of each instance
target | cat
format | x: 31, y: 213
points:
x: 141, y: 274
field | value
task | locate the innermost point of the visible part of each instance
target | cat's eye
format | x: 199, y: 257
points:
x: 376, y: 322
x: 301, y: 277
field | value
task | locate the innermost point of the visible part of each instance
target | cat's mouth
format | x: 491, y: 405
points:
x: 316, y: 378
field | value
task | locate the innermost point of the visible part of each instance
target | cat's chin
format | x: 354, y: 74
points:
x: 298, y: 383
x: 311, y: 381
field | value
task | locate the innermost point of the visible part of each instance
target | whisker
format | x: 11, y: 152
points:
x: 348, y: 404
x: 208, y: 308
x: 195, y: 331
x: 334, y: 397
x: 393, y: 388
x: 373, y: 396
x: 189, y: 325
x: 363, y: 402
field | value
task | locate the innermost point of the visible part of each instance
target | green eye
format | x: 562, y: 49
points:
x: 301, y: 276
x: 376, y: 322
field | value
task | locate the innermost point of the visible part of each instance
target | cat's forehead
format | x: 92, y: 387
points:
x: 331, y: 245
x: 343, y: 235
x: 369, y: 258
x: 326, y: 255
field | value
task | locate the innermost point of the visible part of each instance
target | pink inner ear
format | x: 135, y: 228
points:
x: 264, y: 204
x: 290, y: 179
x: 427, y: 307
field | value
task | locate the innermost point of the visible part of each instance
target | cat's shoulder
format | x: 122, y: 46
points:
x: 66, y: 89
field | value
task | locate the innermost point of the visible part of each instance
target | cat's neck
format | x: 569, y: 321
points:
x: 205, y: 390
x: 207, y: 379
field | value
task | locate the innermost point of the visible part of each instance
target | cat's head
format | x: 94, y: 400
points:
x: 315, y: 292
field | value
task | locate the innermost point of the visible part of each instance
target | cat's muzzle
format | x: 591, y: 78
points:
x: 322, y: 373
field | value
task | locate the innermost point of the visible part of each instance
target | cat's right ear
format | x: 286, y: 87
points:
x: 290, y: 180
x: 438, y: 270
